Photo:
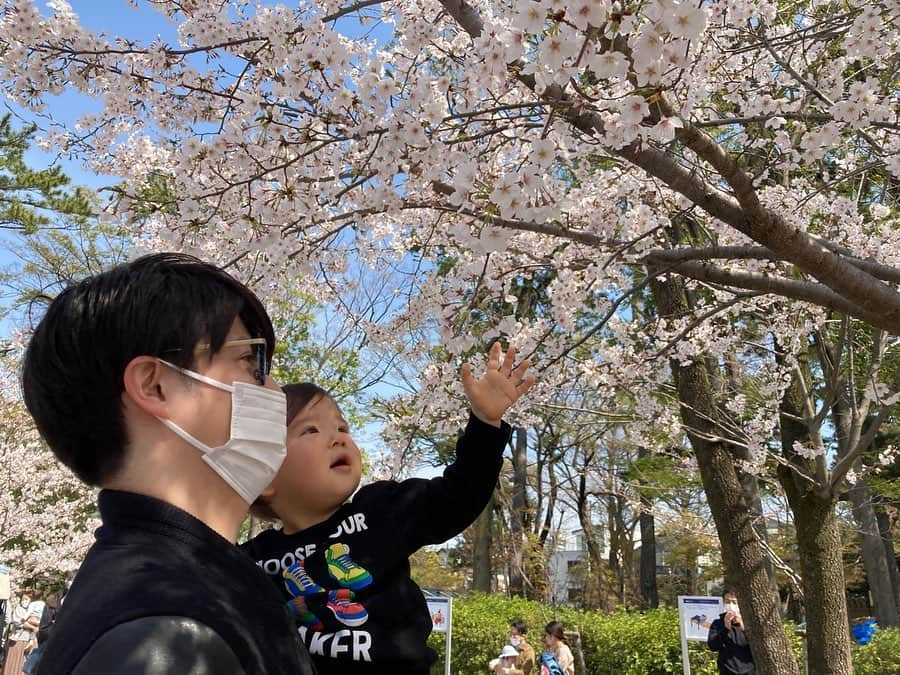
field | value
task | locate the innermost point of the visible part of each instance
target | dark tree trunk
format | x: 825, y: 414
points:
x: 482, y: 569
x: 591, y: 541
x: 818, y: 545
x: 750, y: 486
x: 649, y: 592
x: 887, y: 538
x: 550, y: 507
x: 749, y: 482
x: 519, y: 512
x: 875, y: 561
x: 822, y: 572
x: 745, y: 561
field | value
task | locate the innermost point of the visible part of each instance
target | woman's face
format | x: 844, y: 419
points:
x: 550, y: 640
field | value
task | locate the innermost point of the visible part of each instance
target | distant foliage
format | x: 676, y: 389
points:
x: 880, y: 656
x: 620, y: 643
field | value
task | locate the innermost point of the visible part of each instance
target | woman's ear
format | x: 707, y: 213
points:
x: 143, y: 379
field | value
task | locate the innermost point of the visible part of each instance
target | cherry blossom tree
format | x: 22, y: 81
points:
x: 47, y: 517
x: 478, y: 147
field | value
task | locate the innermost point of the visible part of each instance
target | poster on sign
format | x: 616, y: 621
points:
x: 439, y: 610
x: 695, y: 615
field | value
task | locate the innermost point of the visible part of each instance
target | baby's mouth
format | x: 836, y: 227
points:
x: 341, y: 462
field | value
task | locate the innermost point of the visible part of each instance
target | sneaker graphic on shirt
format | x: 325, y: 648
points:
x: 303, y: 614
x: 298, y: 582
x: 344, y: 570
x: 345, y: 610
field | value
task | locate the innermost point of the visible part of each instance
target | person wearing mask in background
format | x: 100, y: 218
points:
x: 26, y: 618
x: 727, y: 637
x: 150, y: 380
x: 524, y: 664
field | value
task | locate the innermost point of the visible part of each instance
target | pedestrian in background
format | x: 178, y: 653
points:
x: 727, y: 637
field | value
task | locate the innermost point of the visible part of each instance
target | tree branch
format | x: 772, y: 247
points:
x: 860, y: 294
x: 806, y: 291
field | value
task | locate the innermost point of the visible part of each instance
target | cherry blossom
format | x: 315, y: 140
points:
x: 479, y: 149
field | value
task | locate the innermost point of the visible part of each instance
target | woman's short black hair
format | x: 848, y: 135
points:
x: 158, y: 305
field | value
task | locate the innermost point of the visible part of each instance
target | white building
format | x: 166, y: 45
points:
x: 565, y: 575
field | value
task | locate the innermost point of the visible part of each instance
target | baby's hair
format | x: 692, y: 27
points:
x: 299, y: 395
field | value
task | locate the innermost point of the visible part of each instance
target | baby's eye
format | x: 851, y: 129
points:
x: 344, y: 429
x: 311, y: 430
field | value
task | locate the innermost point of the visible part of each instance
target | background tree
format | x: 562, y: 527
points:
x: 536, y: 140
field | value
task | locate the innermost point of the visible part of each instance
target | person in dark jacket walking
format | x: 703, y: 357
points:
x: 727, y: 637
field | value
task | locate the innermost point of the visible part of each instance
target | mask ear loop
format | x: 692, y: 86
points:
x: 201, y: 378
x: 200, y: 445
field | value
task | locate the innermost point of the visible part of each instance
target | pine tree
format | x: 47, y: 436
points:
x: 34, y: 199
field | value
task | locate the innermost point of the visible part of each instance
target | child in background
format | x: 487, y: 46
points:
x: 505, y: 662
x: 343, y: 565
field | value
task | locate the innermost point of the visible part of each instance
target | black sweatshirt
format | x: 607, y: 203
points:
x: 159, y: 591
x: 363, y: 613
x: 734, y: 656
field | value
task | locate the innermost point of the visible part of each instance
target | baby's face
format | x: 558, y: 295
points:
x: 323, y: 464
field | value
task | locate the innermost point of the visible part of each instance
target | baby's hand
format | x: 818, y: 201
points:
x: 499, y: 387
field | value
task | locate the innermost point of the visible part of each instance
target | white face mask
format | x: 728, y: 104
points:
x: 258, y: 444
x: 732, y: 607
x: 515, y: 640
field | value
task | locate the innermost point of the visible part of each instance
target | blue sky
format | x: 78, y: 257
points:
x: 145, y: 25
x: 113, y: 17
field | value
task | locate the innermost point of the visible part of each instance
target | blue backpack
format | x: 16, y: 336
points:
x: 549, y: 665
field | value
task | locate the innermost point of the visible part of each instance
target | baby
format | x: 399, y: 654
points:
x: 344, y: 565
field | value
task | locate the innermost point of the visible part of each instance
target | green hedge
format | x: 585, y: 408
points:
x: 881, y: 656
x: 620, y: 643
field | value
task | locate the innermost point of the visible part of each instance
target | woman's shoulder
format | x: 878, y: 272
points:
x: 564, y: 655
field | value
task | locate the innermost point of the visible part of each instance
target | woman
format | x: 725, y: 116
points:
x: 26, y: 619
x: 555, y: 640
